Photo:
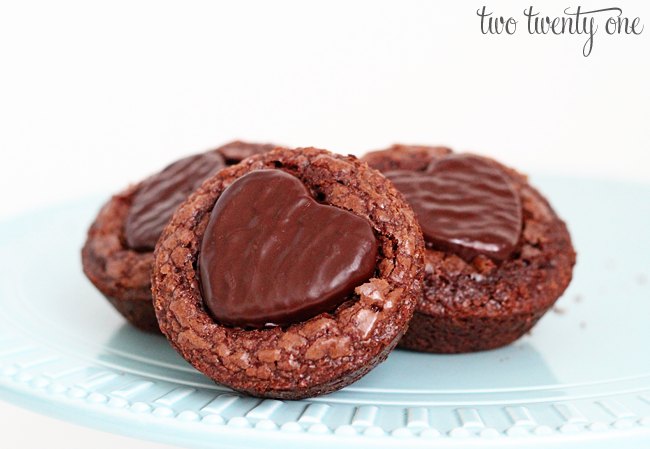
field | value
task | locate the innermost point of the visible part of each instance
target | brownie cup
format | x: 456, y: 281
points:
x: 297, y: 225
x: 118, y: 253
x: 497, y: 255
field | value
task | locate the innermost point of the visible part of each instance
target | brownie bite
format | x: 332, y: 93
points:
x: 118, y: 253
x: 497, y: 255
x: 322, y: 263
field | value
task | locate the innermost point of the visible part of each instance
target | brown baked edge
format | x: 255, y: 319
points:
x: 122, y: 275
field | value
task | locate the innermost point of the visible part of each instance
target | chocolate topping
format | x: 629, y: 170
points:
x: 465, y: 205
x: 271, y: 255
x: 237, y: 151
x: 162, y: 193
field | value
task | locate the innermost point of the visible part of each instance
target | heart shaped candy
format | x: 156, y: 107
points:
x: 465, y: 205
x: 272, y: 255
x: 162, y: 193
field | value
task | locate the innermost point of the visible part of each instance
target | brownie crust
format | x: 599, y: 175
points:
x: 326, y: 352
x: 122, y: 274
x: 467, y: 307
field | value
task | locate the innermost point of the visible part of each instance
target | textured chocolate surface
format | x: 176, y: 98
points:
x: 464, y: 205
x: 159, y: 196
x: 480, y: 305
x: 326, y: 352
x: 122, y: 274
x: 273, y: 256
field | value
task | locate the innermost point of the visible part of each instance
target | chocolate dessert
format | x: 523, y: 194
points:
x: 289, y: 275
x: 118, y: 253
x: 497, y: 257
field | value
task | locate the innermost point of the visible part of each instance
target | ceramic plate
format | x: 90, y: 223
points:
x: 581, y: 377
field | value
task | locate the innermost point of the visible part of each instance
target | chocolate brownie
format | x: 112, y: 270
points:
x: 118, y: 253
x: 497, y: 257
x: 323, y: 267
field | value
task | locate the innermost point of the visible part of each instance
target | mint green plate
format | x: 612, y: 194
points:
x: 581, y: 378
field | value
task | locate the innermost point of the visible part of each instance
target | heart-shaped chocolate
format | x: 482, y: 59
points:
x: 272, y: 255
x: 162, y: 193
x: 465, y: 205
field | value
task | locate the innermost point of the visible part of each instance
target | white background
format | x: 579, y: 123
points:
x: 94, y: 96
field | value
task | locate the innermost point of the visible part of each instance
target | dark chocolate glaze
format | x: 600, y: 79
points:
x: 465, y: 205
x: 271, y: 255
x: 237, y: 151
x: 162, y: 193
